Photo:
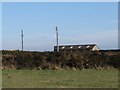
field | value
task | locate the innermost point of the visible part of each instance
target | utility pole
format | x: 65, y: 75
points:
x: 22, y: 38
x: 57, y: 39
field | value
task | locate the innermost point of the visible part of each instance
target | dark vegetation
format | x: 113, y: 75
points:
x: 62, y: 60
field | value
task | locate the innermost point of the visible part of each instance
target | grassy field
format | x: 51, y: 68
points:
x: 60, y: 79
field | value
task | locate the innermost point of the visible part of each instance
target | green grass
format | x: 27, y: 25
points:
x: 60, y: 78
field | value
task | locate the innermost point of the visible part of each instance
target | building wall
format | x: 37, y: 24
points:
x: 95, y: 48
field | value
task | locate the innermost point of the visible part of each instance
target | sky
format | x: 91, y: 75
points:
x: 0, y: 26
x: 60, y: 0
x: 78, y: 23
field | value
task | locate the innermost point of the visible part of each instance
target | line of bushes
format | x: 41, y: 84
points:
x: 61, y: 60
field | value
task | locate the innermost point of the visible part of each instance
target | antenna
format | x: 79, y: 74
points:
x: 22, y: 38
x: 57, y: 39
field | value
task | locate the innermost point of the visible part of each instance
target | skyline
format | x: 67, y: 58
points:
x: 78, y: 23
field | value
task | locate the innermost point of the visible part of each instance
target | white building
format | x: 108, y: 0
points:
x: 89, y: 47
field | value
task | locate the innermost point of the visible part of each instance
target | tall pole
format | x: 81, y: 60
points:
x: 57, y: 39
x: 22, y: 38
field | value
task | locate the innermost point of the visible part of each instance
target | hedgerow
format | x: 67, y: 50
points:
x: 60, y: 60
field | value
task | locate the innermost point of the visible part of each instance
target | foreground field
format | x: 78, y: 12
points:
x: 60, y: 78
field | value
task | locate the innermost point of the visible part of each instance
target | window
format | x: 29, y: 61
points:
x: 71, y: 46
x: 79, y: 47
x: 63, y: 47
x: 88, y: 46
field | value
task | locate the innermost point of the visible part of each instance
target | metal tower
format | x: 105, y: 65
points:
x: 22, y: 38
x: 57, y: 39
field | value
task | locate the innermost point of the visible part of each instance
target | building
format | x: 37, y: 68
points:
x: 89, y: 47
